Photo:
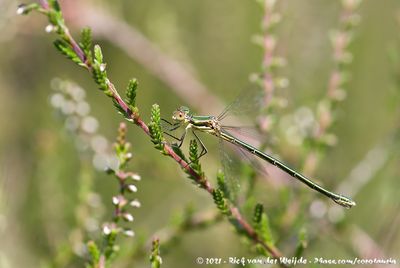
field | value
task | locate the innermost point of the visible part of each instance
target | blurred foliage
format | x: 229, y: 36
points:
x: 41, y: 168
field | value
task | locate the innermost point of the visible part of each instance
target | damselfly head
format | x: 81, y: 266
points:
x: 180, y: 114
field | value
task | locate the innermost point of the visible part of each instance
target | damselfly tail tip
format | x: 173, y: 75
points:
x: 344, y: 201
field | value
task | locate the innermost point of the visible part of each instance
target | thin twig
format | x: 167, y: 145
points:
x: 342, y: 57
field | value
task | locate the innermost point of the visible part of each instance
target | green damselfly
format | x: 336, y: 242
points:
x: 212, y: 125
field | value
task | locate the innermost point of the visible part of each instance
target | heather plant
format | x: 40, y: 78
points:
x: 91, y: 58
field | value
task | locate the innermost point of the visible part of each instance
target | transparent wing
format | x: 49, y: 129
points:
x: 234, y: 161
x: 248, y: 134
x: 237, y: 118
x: 230, y: 171
x: 248, y: 103
x: 247, y: 156
x: 269, y: 172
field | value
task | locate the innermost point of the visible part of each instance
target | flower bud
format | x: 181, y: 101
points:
x: 135, y: 203
x: 128, y: 217
x: 135, y: 177
x: 50, y: 28
x: 21, y: 9
x: 102, y: 67
x: 115, y: 200
x: 131, y: 188
x: 107, y: 229
x: 129, y: 232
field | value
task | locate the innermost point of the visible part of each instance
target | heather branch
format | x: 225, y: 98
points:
x: 98, y: 70
x: 342, y: 57
x: 122, y: 202
x: 271, y: 64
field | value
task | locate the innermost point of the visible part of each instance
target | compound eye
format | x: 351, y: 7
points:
x: 179, y: 115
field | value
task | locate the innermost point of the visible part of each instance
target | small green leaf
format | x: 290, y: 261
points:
x: 261, y: 224
x: 194, y: 157
x: 86, y: 43
x: 67, y: 50
x: 99, y: 71
x: 98, y: 55
x: 222, y: 183
x: 266, y: 229
x: 155, y: 128
x: 257, y: 215
x: 220, y: 201
x: 100, y: 78
x: 193, y: 152
x: 131, y: 93
x: 194, y: 161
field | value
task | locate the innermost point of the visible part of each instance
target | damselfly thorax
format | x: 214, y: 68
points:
x: 208, y: 124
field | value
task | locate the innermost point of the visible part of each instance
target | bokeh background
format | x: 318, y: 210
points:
x: 43, y: 165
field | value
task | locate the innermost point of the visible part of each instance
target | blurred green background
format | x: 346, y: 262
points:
x: 41, y: 169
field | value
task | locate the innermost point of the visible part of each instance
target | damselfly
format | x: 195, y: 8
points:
x: 212, y: 125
